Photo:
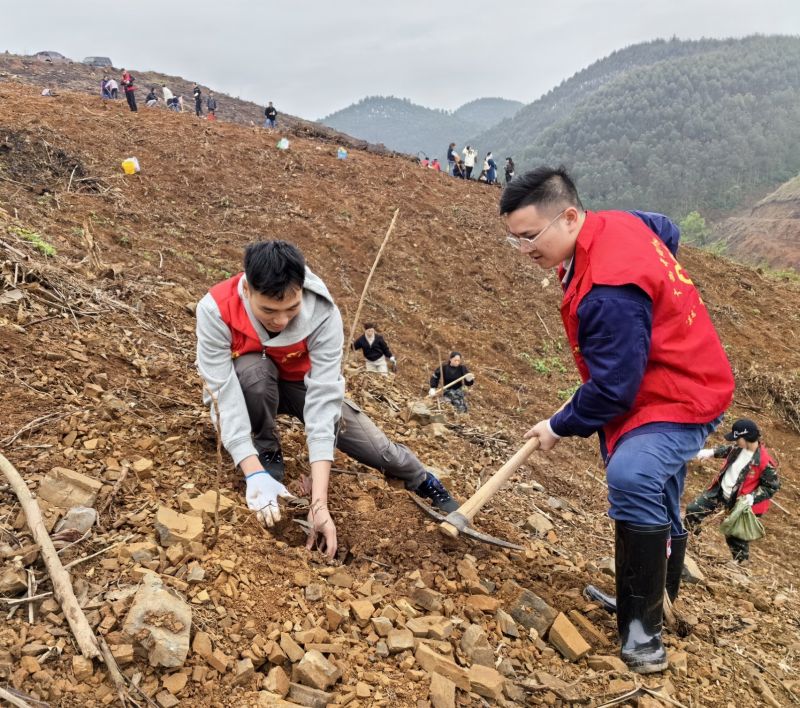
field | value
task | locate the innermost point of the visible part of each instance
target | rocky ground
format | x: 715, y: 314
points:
x: 101, y: 408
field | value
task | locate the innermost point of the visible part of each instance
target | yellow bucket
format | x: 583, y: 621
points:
x: 130, y: 165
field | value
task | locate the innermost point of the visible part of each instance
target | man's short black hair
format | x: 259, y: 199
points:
x: 543, y: 187
x: 369, y: 325
x: 274, y: 268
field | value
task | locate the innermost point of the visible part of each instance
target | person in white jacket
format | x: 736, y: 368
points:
x: 470, y: 154
x: 269, y: 341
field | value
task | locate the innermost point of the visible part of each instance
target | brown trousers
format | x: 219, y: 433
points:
x: 267, y: 396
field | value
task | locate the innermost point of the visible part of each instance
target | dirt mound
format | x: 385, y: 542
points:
x: 96, y: 358
x: 770, y: 233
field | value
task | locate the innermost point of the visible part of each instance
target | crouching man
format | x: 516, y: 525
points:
x: 269, y: 341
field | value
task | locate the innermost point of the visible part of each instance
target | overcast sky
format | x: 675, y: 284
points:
x: 312, y: 57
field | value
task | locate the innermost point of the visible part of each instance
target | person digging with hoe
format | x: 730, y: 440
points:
x: 376, y: 350
x: 748, y: 474
x: 656, y: 380
x: 269, y: 341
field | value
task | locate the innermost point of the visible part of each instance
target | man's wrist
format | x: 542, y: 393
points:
x: 551, y: 431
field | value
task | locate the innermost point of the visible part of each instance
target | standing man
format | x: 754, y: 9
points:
x: 469, y: 160
x: 113, y: 88
x: 452, y: 157
x: 656, y: 380
x: 376, y: 350
x: 509, y: 169
x: 211, y: 105
x: 269, y: 341
x: 270, y: 116
x: 130, y: 90
x: 198, y: 101
x: 748, y: 473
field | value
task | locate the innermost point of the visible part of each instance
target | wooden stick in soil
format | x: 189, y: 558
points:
x: 62, y: 584
x: 349, y: 343
x: 218, y: 433
x: 13, y: 700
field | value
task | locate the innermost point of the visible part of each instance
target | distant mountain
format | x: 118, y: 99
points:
x: 770, y: 233
x: 408, y: 127
x: 486, y: 112
x: 670, y: 125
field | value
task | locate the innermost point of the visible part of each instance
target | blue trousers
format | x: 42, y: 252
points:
x: 647, y: 472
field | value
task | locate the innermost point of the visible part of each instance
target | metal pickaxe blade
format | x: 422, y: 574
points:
x: 463, y: 525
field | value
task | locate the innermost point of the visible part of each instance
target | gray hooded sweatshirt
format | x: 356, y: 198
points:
x: 320, y: 324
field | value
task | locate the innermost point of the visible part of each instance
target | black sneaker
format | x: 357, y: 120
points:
x: 431, y: 488
x: 272, y: 462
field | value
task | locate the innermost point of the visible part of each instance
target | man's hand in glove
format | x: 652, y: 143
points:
x: 469, y: 378
x: 705, y: 454
x: 323, y: 532
x: 262, y: 497
x: 432, y: 392
x: 748, y: 499
x: 393, y: 361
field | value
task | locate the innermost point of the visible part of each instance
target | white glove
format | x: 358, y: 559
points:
x: 262, y: 497
x: 469, y: 378
x: 749, y: 499
x: 393, y: 359
x: 432, y: 392
x: 705, y: 454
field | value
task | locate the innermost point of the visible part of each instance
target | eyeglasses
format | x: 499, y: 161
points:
x: 524, y: 244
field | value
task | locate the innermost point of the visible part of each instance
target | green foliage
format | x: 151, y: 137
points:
x: 567, y: 393
x: 35, y: 239
x: 669, y: 126
x: 694, y: 229
x: 543, y: 365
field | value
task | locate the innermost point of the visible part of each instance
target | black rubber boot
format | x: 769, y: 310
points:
x: 674, y: 570
x: 641, y: 566
x: 677, y: 555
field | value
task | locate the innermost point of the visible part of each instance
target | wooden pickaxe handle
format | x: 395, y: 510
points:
x: 452, y: 383
x: 474, y: 504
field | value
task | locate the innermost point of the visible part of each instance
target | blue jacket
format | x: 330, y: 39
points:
x: 615, y: 325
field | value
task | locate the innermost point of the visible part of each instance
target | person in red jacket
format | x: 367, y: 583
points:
x: 130, y: 89
x: 748, y: 473
x: 656, y: 380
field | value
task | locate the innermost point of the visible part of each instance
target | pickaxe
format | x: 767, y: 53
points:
x: 460, y: 521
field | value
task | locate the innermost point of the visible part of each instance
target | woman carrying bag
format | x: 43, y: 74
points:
x: 745, y: 485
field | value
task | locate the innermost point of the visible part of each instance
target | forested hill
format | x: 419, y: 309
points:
x: 671, y: 125
x: 408, y: 127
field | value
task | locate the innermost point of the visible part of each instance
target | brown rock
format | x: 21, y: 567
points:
x: 486, y: 681
x: 482, y: 603
x: 442, y: 692
x: 506, y: 624
x: 399, y: 640
x: 341, y: 579
x: 291, y: 648
x: 587, y: 629
x: 206, y: 503
x: 174, y: 527
x: 564, y: 637
x: 309, y: 697
x: 363, y: 690
x: 82, y: 668
x: 434, y: 662
x: 335, y: 616
x: 160, y: 622
x: 143, y: 467
x: 175, y: 683
x: 382, y: 626
x: 679, y: 662
x: 219, y: 660
x: 65, y: 488
x: 12, y: 580
x: 316, y: 671
x: 166, y: 700
x: 202, y: 645
x: 539, y: 524
x: 244, y: 672
x: 428, y: 599
x: 277, y: 681
x: 362, y: 611
x: 529, y: 610
x: 601, y: 662
x: 122, y: 653
x: 475, y: 644
x: 691, y: 571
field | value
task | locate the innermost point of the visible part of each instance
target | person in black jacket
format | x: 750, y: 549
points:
x: 198, y: 101
x: 270, y: 116
x: 451, y: 371
x: 376, y: 350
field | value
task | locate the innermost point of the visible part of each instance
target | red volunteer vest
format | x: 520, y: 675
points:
x: 293, y: 361
x: 752, y: 478
x: 688, y: 378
